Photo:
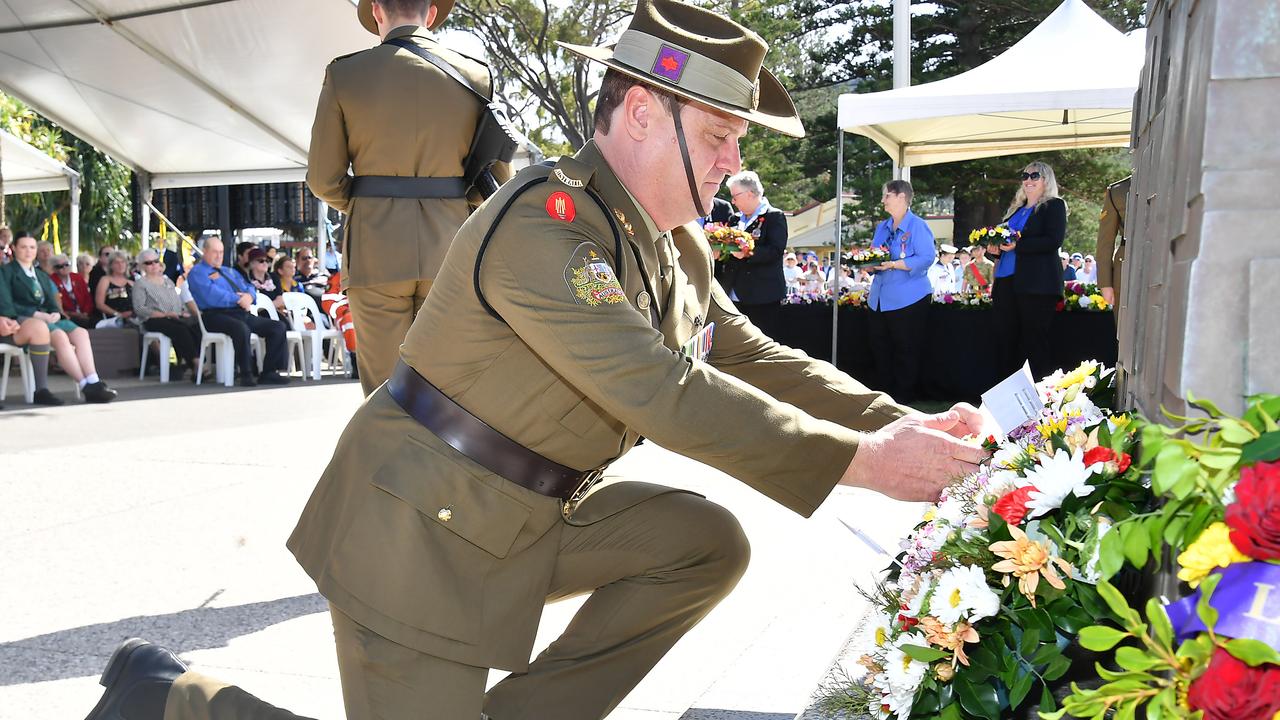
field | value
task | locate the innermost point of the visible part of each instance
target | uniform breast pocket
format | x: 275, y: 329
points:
x: 428, y: 533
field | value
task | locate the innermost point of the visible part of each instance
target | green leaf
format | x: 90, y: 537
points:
x: 1206, y: 612
x: 1235, y: 432
x: 1152, y: 445
x: 1158, y: 619
x: 952, y: 712
x: 1126, y: 711
x: 1223, y: 458
x: 1264, y: 449
x: 1100, y: 638
x: 923, y: 654
x: 981, y: 700
x: 1131, y: 658
x: 1185, y: 483
x: 1119, y: 606
x: 1030, y: 641
x: 1173, y: 531
x: 1047, y: 652
x: 1263, y: 409
x: 1110, y: 554
x: 1135, y: 544
x: 1252, y: 652
x: 1169, y: 466
x: 1056, y: 668
x: 1018, y: 691
x: 1206, y: 405
x: 1056, y: 715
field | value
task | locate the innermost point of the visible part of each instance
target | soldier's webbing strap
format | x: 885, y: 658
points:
x: 493, y: 227
x: 390, y: 186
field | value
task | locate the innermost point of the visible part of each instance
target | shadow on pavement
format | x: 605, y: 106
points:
x: 81, y: 651
x: 713, y: 714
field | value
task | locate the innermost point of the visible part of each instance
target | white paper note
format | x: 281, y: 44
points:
x: 1013, y: 401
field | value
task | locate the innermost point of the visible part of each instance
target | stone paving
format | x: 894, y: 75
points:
x: 164, y: 515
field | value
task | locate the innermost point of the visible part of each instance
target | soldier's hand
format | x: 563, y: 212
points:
x: 911, y: 459
x: 1109, y: 294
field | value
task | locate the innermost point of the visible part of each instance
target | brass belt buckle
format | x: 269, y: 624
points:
x: 588, y: 480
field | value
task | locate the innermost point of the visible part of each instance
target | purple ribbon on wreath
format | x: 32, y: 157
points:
x: 1247, y: 600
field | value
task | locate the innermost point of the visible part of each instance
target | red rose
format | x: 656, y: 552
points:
x: 1013, y: 505
x: 1255, y: 515
x: 1060, y: 306
x: 1231, y: 690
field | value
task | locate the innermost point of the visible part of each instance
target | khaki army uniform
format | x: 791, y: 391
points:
x: 434, y: 562
x: 1110, y: 254
x: 387, y: 112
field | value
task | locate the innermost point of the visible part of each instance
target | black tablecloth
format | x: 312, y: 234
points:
x: 959, y: 357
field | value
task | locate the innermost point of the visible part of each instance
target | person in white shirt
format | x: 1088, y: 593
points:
x: 1088, y: 273
x: 791, y: 271
x: 942, y: 277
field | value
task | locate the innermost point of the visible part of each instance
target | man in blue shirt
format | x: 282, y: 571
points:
x: 900, y: 293
x: 226, y: 303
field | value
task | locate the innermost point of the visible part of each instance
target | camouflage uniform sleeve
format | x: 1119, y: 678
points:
x: 552, y: 281
x: 328, y: 158
x: 816, y: 387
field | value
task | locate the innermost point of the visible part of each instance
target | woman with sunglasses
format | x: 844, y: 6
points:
x: 1028, y: 277
x: 157, y: 305
x: 73, y: 292
x: 114, y: 295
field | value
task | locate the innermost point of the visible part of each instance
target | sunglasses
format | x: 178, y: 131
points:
x: 61, y: 266
x: 1031, y: 175
x: 150, y: 262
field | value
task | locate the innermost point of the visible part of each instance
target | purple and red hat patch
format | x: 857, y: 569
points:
x: 670, y: 63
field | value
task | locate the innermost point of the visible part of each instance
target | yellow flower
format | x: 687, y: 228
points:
x: 1080, y: 374
x: 1120, y: 420
x: 1028, y: 560
x: 1210, y: 551
x: 1048, y: 429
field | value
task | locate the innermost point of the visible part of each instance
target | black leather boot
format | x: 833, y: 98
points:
x: 137, y: 682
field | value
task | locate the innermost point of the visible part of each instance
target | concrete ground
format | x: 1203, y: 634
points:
x: 164, y: 515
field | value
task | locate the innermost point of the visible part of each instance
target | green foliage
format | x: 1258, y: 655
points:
x: 106, y: 213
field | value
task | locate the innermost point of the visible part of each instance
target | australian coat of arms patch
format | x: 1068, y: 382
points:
x: 591, y: 279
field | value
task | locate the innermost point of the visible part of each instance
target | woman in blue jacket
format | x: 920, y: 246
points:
x: 900, y: 293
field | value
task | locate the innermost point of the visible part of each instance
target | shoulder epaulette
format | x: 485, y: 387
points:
x: 572, y: 172
x: 344, y: 57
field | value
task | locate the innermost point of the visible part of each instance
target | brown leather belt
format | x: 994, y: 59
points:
x: 489, y: 448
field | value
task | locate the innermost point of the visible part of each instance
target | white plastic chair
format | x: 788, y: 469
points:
x: 299, y: 305
x: 224, y: 354
x: 24, y: 370
x: 293, y: 338
x: 165, y: 346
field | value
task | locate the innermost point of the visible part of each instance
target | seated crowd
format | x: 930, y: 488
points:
x: 47, y: 307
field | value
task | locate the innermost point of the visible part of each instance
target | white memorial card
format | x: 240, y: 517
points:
x: 1013, y: 401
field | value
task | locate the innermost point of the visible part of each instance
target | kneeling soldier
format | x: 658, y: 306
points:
x: 580, y: 313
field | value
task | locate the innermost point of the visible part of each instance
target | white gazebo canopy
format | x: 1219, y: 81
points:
x: 27, y: 170
x: 1068, y: 84
x: 187, y: 92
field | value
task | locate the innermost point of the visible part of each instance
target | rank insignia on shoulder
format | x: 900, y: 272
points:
x: 566, y: 179
x: 622, y: 219
x: 590, y: 278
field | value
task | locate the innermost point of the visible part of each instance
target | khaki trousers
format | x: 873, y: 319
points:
x: 382, y: 315
x: 653, y: 571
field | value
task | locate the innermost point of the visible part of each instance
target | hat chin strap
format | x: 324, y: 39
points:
x: 688, y: 166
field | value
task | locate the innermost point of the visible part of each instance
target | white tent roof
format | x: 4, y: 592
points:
x: 1068, y: 84
x: 27, y: 170
x: 193, y: 92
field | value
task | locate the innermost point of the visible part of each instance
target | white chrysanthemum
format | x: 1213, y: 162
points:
x: 1006, y: 455
x: 963, y: 594
x: 881, y: 629
x: 1001, y: 483
x: 903, y: 675
x: 1086, y: 301
x: 1084, y: 407
x: 1055, y: 478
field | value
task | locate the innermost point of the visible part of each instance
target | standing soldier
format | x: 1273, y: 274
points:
x: 1110, y: 254
x: 403, y: 127
x: 580, y: 313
